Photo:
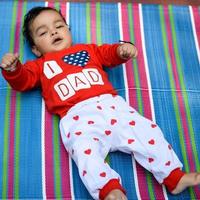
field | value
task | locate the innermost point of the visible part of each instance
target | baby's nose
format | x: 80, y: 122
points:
x: 53, y: 32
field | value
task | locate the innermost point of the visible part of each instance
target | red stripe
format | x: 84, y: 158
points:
x: 11, y: 159
x: 196, y: 13
x: 49, y: 162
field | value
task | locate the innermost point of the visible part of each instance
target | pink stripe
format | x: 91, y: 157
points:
x: 143, y: 188
x: 50, y: 4
x: 93, y: 22
x: 49, y: 162
x: 65, y: 171
x: 11, y: 159
x: 140, y: 61
x: 11, y: 145
x: 179, y: 95
x: 63, y: 8
x: 196, y: 13
x: 129, y: 65
x: 143, y: 83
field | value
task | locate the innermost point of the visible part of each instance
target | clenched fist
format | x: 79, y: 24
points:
x: 127, y: 51
x: 9, y: 61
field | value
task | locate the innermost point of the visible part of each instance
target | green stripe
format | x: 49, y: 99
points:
x: 56, y: 146
x: 139, y: 94
x: 134, y: 61
x: 5, y: 149
x: 88, y: 28
x: 57, y: 163
x: 184, y: 93
x: 172, y: 85
x: 98, y: 23
x: 7, y: 113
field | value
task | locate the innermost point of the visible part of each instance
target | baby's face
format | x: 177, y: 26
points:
x: 50, y: 33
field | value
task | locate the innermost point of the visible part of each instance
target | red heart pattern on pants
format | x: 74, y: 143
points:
x: 88, y: 151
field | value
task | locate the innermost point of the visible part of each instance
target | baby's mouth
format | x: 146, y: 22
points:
x: 57, y: 40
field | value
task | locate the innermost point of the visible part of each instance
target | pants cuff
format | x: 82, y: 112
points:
x: 172, y: 180
x: 109, y: 186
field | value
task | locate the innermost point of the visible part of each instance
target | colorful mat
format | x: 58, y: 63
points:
x: 163, y: 84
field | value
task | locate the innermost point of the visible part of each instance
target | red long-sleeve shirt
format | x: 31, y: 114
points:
x: 68, y: 76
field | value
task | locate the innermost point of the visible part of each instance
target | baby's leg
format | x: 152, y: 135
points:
x: 99, y: 179
x: 187, y: 180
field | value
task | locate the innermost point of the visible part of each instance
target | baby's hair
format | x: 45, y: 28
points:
x: 28, y: 19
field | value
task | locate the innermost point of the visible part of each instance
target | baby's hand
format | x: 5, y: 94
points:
x: 9, y: 62
x: 127, y: 51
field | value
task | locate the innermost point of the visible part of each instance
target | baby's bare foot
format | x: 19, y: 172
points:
x: 116, y: 195
x: 189, y: 179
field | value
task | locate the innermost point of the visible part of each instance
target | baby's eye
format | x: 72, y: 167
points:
x: 43, y: 33
x: 60, y: 26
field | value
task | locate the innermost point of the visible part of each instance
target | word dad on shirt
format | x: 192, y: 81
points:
x: 68, y: 86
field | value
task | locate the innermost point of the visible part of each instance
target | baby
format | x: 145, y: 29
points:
x: 94, y: 120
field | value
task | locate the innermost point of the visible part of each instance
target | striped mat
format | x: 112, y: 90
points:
x: 163, y: 84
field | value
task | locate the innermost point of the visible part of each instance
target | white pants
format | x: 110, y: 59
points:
x: 107, y: 123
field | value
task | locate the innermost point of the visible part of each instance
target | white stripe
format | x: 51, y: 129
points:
x: 148, y: 77
x: 127, y: 99
x: 67, y: 12
x: 43, y: 149
x: 124, y: 66
x: 43, y: 143
x: 71, y: 179
x: 194, y: 33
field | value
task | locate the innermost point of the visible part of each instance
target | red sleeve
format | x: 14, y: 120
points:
x: 25, y: 77
x: 107, y: 55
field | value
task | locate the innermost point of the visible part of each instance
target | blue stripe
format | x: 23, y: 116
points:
x: 30, y: 136
x: 78, y: 22
x: 6, y: 18
x: 78, y: 29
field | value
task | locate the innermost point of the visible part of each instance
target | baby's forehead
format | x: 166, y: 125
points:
x: 45, y: 18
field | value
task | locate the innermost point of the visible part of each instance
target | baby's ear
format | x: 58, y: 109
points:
x: 36, y: 51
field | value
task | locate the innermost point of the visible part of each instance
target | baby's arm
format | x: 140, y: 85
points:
x: 9, y: 61
x: 127, y: 51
